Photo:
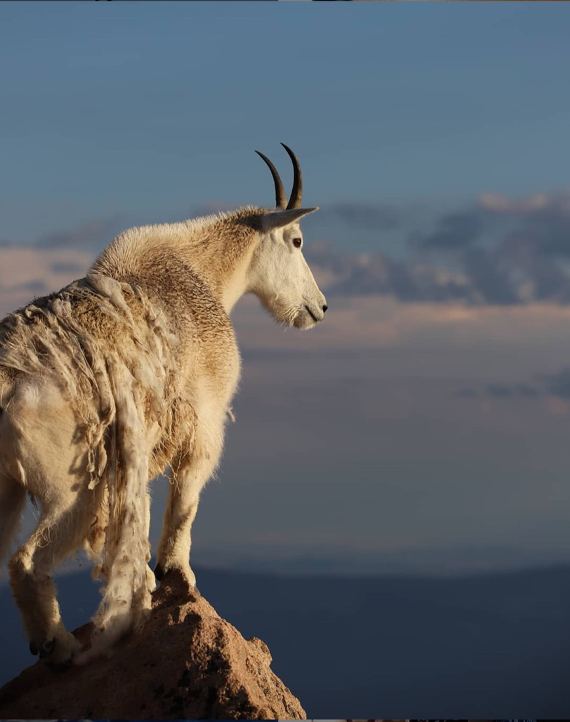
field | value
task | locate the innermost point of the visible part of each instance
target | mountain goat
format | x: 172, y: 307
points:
x: 119, y: 376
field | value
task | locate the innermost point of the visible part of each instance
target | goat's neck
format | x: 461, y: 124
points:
x: 226, y: 272
x: 234, y: 288
x: 220, y: 252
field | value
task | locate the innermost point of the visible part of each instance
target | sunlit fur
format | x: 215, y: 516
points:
x: 116, y: 378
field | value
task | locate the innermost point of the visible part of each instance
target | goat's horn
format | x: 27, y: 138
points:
x: 280, y: 197
x: 297, y: 193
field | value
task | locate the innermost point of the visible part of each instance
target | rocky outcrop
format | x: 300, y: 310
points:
x: 188, y: 663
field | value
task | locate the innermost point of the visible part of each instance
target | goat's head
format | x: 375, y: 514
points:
x: 279, y: 273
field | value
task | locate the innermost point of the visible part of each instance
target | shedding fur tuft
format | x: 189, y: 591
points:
x: 119, y: 394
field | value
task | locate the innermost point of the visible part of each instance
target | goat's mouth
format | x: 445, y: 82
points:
x: 311, y: 314
x: 306, y: 318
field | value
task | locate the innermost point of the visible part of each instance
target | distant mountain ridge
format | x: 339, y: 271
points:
x: 485, y: 647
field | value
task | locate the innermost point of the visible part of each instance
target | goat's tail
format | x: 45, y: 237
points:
x: 126, y: 597
x: 12, y: 494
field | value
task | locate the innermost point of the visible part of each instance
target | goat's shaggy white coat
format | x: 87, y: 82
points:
x: 117, y: 377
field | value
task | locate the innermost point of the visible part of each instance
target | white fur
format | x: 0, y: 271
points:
x: 113, y: 379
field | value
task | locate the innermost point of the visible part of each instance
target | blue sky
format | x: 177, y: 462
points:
x: 151, y: 109
x: 425, y: 425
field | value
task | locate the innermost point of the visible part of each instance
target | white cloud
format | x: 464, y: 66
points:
x: 536, y: 202
x: 26, y: 271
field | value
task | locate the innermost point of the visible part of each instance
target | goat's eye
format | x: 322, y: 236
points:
x: 297, y: 242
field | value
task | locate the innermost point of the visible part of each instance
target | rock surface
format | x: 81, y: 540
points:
x: 188, y: 663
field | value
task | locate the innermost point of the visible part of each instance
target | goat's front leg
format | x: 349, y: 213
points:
x: 185, y: 487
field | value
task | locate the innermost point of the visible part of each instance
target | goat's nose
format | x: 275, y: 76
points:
x: 325, y: 308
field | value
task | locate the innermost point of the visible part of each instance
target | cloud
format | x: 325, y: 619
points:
x: 500, y: 391
x: 541, y: 222
x: 489, y: 282
x: 525, y: 390
x: 459, y: 240
x: 538, y: 244
x: 454, y: 230
x: 557, y: 407
x: 536, y: 204
x: 28, y: 271
x: 507, y: 391
x: 371, y: 274
x: 480, y: 281
x: 467, y: 393
x: 558, y: 384
x: 553, y: 384
x: 541, y: 276
x: 93, y: 234
x: 509, y: 251
x: 367, y: 216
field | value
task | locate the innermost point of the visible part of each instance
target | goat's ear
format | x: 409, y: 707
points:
x: 280, y: 218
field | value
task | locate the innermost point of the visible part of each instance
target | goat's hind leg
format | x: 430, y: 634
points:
x: 59, y: 532
x: 49, y: 459
x: 12, y: 491
x: 12, y: 502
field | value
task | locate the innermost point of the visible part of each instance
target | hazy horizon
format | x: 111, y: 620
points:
x: 487, y: 646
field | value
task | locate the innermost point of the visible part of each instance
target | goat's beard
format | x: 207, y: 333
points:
x: 287, y: 314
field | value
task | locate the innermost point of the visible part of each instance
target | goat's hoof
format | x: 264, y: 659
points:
x: 47, y: 648
x: 44, y: 649
x: 160, y: 573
